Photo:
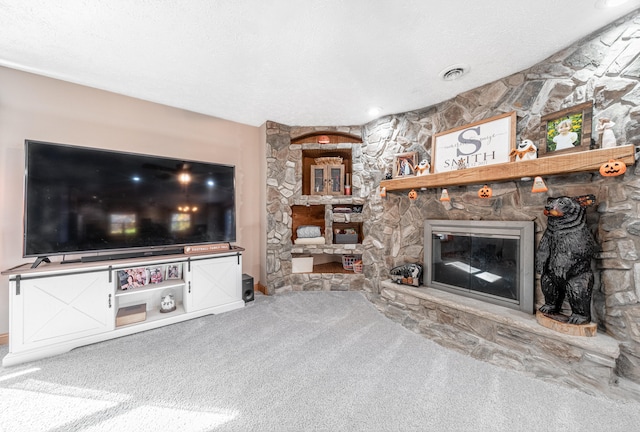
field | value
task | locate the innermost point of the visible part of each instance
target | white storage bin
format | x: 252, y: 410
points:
x: 302, y: 264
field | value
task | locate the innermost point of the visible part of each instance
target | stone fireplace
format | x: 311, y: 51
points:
x: 491, y: 261
x: 603, y: 68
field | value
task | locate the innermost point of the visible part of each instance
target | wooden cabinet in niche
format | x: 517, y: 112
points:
x: 327, y: 179
x: 310, y: 183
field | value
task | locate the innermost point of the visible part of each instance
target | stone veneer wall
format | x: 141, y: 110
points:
x: 603, y: 68
x: 284, y: 189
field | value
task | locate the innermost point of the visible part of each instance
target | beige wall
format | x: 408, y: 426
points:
x: 35, y: 107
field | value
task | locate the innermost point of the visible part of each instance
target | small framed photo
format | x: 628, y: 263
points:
x: 174, y: 271
x: 485, y: 142
x: 404, y: 164
x: 566, y: 131
x: 156, y: 274
x: 133, y: 278
x: 125, y: 280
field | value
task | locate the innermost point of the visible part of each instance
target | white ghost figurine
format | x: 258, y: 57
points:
x: 423, y: 168
x: 525, y: 150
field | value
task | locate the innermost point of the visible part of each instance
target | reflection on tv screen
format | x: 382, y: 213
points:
x: 81, y: 199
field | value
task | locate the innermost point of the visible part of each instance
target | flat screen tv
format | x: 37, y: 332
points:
x: 80, y: 200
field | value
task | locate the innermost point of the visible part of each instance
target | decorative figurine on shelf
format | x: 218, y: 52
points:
x: 413, y: 195
x: 607, y: 138
x: 423, y: 168
x: 564, y: 259
x: 612, y: 168
x: 525, y: 150
x: 485, y: 192
x: 407, y: 274
x: 167, y: 302
x: 539, y: 185
x: 462, y: 164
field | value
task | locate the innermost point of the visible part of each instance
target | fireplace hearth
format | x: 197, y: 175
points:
x: 486, y: 260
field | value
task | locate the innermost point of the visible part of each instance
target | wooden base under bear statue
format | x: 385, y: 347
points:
x: 563, y: 261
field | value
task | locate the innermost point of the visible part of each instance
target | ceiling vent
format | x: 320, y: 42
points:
x: 453, y: 73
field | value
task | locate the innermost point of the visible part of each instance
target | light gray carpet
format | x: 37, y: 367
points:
x: 303, y: 361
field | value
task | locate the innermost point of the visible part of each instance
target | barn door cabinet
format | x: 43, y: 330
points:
x: 57, y: 307
x: 213, y: 283
x: 53, y: 310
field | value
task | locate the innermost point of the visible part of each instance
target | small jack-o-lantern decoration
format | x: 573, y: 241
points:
x: 613, y: 168
x: 485, y: 192
x: 413, y: 195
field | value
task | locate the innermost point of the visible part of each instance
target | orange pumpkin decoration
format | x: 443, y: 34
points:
x: 413, y: 195
x: 485, y: 192
x: 613, y: 168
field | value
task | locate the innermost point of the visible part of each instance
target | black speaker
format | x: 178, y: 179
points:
x: 247, y: 288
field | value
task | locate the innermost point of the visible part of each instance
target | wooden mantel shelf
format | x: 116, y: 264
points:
x: 567, y: 163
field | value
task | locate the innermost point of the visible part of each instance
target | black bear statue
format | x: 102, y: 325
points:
x: 564, y: 256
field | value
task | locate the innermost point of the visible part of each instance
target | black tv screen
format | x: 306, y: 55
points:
x: 81, y: 199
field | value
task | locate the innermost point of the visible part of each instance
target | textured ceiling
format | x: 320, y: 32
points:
x: 315, y: 62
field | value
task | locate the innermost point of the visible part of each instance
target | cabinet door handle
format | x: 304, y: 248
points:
x: 109, y: 301
x: 189, y: 287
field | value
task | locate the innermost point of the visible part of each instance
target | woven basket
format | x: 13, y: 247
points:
x: 347, y: 261
x: 357, y: 267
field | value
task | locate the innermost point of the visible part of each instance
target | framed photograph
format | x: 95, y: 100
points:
x: 485, y: 142
x: 174, y: 271
x: 404, y: 164
x: 566, y: 131
x: 133, y: 278
x: 156, y: 274
x: 125, y: 280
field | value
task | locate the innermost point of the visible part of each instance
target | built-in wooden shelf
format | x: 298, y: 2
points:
x: 568, y: 163
x: 331, y: 267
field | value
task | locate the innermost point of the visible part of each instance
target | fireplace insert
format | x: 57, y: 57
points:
x: 486, y: 260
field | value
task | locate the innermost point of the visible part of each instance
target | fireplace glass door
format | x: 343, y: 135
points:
x: 483, y: 264
x: 486, y: 260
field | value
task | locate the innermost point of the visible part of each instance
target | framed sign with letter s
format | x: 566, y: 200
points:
x: 485, y: 142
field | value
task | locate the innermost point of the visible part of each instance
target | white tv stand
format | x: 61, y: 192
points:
x: 57, y: 307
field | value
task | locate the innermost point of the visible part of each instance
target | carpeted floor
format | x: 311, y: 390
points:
x: 303, y: 361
